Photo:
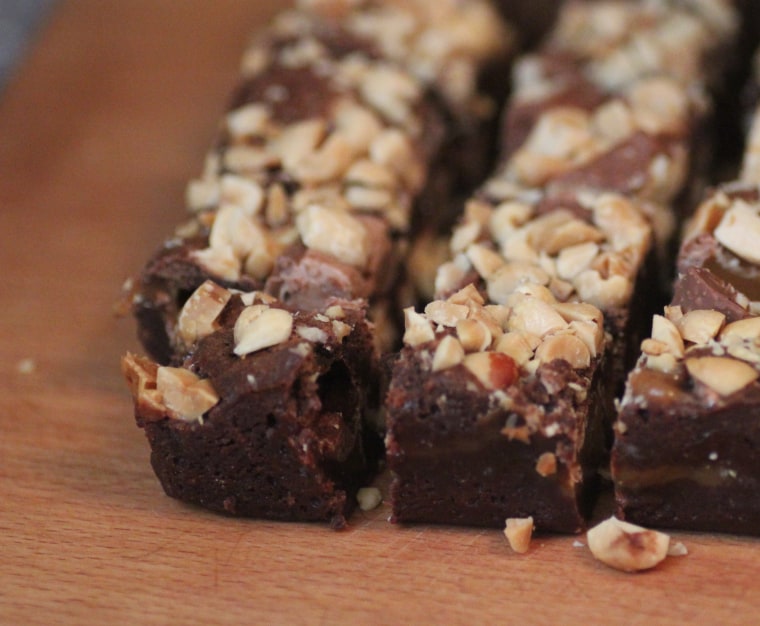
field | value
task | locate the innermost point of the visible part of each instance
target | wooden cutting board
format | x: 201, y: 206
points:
x: 99, y: 132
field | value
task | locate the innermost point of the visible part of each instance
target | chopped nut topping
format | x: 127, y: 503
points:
x: 260, y: 327
x: 140, y: 374
x: 567, y: 347
x: 535, y: 317
x: 448, y: 354
x: 235, y: 191
x: 518, y: 532
x: 746, y: 330
x: 418, y: 328
x: 700, y: 326
x: 546, y: 464
x: 334, y: 232
x: 627, y: 547
x: 666, y: 333
x: 518, y: 346
x: 474, y: 335
x: 721, y: 374
x: 369, y: 498
x: 185, y: 396
x: 197, y: 317
x: 493, y: 369
x: 739, y: 231
x: 446, y: 313
x: 311, y: 333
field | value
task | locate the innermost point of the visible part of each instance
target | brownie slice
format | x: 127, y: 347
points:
x: 264, y: 417
x: 591, y: 109
x: 688, y: 431
x: 345, y: 124
x: 494, y: 411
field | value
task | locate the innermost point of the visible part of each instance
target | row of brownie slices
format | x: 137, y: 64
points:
x: 354, y: 130
x: 355, y: 125
x: 502, y: 401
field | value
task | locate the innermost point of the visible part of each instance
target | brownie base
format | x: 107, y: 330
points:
x: 689, y: 466
x: 452, y: 462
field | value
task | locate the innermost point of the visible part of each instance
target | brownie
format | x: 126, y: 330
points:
x: 264, y: 416
x: 343, y: 122
x: 494, y: 411
x: 685, y: 452
x: 590, y: 109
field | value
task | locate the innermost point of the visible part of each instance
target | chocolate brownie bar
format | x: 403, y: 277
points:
x: 493, y: 411
x: 617, y: 99
x: 339, y: 127
x: 262, y: 391
x: 689, y: 422
x: 264, y: 417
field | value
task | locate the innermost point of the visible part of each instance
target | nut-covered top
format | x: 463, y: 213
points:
x: 614, y: 98
x: 241, y: 326
x: 697, y: 353
x: 443, y: 43
x: 719, y: 257
x: 622, y: 41
x: 589, y: 248
x: 501, y: 343
x: 331, y: 132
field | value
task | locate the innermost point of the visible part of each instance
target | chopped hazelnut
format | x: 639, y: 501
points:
x: 260, y: 327
x: 369, y: 498
x: 197, y: 317
x: 739, y: 231
x: 546, y: 464
x: 448, y: 354
x: 493, y: 369
x: 518, y: 532
x: 627, y: 547
x: 418, y: 329
x: 721, y: 374
x: 334, y: 232
x: 185, y: 396
x: 700, y: 326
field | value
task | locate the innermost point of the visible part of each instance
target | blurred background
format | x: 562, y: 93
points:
x: 19, y: 21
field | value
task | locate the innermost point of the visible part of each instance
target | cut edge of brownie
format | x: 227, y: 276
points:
x: 279, y: 433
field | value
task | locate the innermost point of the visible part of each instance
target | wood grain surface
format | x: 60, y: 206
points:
x: 108, y: 118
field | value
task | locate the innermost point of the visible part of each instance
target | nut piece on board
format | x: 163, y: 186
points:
x: 627, y: 547
x: 518, y: 532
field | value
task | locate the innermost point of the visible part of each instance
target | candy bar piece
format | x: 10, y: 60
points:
x: 342, y: 123
x: 719, y: 264
x: 494, y: 411
x: 688, y: 432
x: 616, y: 99
x: 689, y: 422
x: 263, y: 418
